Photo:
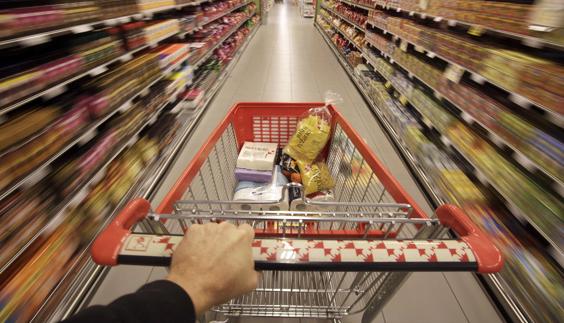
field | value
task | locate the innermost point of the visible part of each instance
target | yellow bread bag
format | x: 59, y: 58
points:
x: 311, y: 136
x: 315, y: 177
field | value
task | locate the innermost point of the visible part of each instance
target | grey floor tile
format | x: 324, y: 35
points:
x: 114, y: 285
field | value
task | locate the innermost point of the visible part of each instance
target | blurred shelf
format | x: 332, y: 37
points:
x: 59, y: 88
x: 42, y: 37
x: 517, y: 98
x: 357, y: 26
x: 358, y: 5
x: 90, y: 132
x: 228, y: 11
x: 410, y: 160
x: 216, y: 45
x: 183, y: 34
x: 494, y: 282
x: 521, y: 215
x: 516, y: 155
x: 344, y: 34
x: 77, y: 195
x: 530, y: 41
x: 80, y: 285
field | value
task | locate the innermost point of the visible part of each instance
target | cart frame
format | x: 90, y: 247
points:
x: 329, y: 261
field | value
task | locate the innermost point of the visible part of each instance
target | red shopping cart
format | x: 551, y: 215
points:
x: 321, y: 259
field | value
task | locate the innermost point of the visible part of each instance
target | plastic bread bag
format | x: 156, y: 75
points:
x: 315, y: 177
x: 312, y: 132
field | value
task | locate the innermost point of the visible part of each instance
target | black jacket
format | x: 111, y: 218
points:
x: 160, y: 301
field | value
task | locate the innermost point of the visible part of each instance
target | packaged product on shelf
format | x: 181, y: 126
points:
x: 145, y: 5
x: 25, y: 125
x: 315, y: 177
x: 24, y: 17
x: 117, y: 8
x: 171, y: 54
x: 261, y: 192
x: 257, y: 156
x: 192, y: 98
x: 131, y: 34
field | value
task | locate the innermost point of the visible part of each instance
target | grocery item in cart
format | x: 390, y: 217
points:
x: 290, y: 168
x: 252, y: 175
x: 257, y: 156
x: 315, y: 177
x: 260, y: 192
x: 311, y: 136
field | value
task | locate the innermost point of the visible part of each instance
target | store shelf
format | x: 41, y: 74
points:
x: 516, y: 155
x: 517, y: 98
x: 530, y: 41
x: 357, y: 26
x: 495, y: 282
x: 358, y: 5
x: 42, y: 37
x: 90, y: 132
x: 83, y: 273
x: 78, y: 194
x: 228, y: 11
x: 410, y: 160
x: 521, y: 215
x: 59, y: 88
x: 344, y: 34
x: 210, y: 51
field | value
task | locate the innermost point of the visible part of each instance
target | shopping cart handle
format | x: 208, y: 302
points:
x: 107, y: 245
x: 487, y: 254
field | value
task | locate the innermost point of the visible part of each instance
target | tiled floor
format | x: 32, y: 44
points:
x: 289, y: 61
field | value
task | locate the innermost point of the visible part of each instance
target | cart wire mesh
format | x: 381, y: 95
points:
x: 362, y: 204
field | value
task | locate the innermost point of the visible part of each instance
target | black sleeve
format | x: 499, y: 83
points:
x: 160, y: 301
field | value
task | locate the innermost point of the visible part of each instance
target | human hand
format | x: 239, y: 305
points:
x: 213, y: 263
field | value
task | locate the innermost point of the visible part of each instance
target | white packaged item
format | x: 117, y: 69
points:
x: 252, y: 191
x: 257, y: 155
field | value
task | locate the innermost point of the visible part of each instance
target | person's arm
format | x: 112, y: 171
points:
x: 211, y: 265
x: 160, y: 301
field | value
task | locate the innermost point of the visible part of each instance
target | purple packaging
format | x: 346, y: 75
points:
x: 258, y: 176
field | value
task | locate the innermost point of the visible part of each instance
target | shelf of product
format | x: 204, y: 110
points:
x: 91, y: 53
x: 349, y: 32
x: 27, y: 156
x: 524, y: 197
x: 307, y: 8
x: 429, y: 128
x: 56, y: 76
x: 533, y: 148
x: 73, y: 174
x: 93, y: 178
x: 537, y: 24
x: 73, y: 119
x: 364, y: 4
x: 533, y: 79
x: 354, y: 16
x: 27, y: 25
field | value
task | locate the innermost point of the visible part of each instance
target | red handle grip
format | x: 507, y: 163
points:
x: 487, y: 254
x: 106, y: 247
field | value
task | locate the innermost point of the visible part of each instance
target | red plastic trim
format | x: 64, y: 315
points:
x: 107, y: 245
x: 487, y: 255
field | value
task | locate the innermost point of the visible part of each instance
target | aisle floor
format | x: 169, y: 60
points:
x: 288, y: 61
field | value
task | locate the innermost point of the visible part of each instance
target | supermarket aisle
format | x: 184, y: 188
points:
x: 289, y: 61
